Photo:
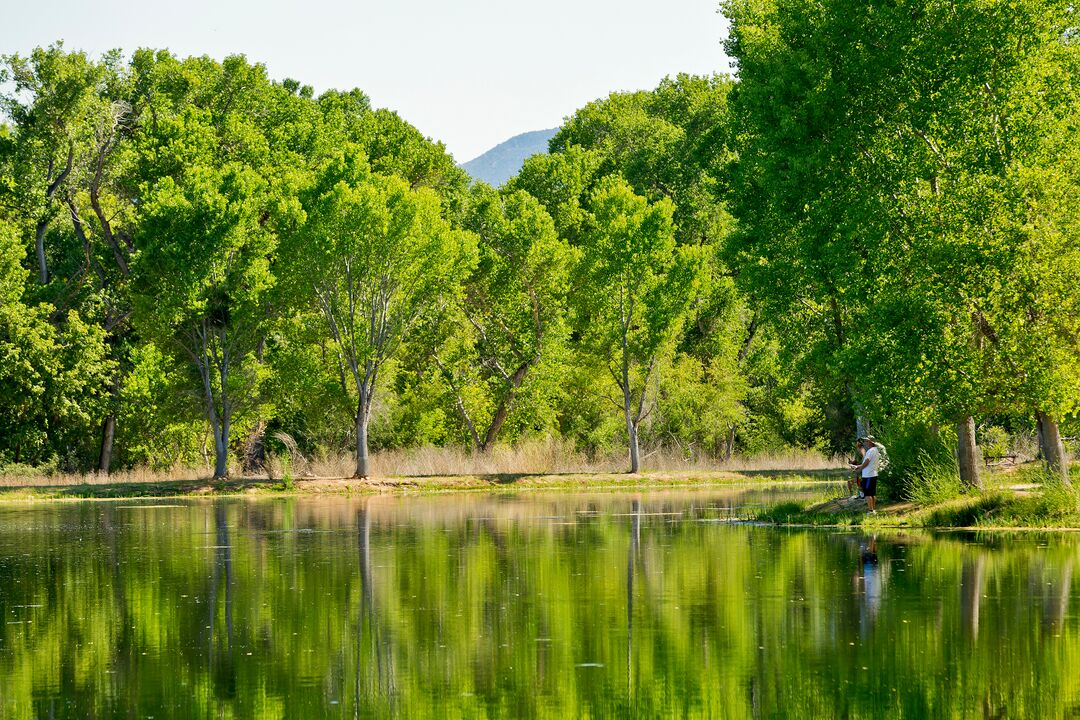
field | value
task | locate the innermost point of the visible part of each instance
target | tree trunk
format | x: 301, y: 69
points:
x: 1041, y: 452
x: 496, y: 423
x: 39, y: 250
x: 221, y: 450
x: 967, y: 453
x: 1057, y: 462
x: 631, y: 426
x: 862, y: 425
x: 108, y: 434
x: 635, y: 461
x: 503, y: 409
x: 362, y: 440
x: 219, y: 427
x: 729, y: 444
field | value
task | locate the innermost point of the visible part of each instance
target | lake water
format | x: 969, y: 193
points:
x: 525, y: 605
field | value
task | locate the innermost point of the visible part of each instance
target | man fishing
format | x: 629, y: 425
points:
x: 868, y: 469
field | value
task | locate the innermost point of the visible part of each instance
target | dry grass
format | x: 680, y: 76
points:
x: 133, y: 476
x: 540, y: 457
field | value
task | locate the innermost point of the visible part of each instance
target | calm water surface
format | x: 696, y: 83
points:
x: 539, y: 605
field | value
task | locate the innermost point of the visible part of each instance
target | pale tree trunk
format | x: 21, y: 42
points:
x: 363, y: 414
x: 631, y: 421
x: 221, y: 443
x: 39, y: 251
x: 967, y: 453
x: 635, y: 460
x: 729, y: 444
x: 862, y: 425
x: 1057, y: 461
x: 221, y: 448
x: 219, y: 421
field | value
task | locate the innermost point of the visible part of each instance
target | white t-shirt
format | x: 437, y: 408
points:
x: 871, y: 457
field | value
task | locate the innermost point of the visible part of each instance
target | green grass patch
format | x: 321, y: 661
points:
x: 1050, y: 505
x: 828, y: 509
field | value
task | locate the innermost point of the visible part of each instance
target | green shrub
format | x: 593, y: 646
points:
x: 922, y: 464
x: 933, y: 480
x: 288, y: 482
x: 23, y: 470
x: 994, y: 441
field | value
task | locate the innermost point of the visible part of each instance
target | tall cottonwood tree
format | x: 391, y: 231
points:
x: 50, y: 98
x: 676, y: 142
x: 372, y: 258
x: 898, y: 148
x: 202, y: 278
x: 513, y: 314
x: 72, y: 117
x: 638, y: 288
x: 206, y: 229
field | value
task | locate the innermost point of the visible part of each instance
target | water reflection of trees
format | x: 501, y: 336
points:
x: 375, y: 689
x: 492, y: 616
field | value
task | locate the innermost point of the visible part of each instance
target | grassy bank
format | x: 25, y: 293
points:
x: 535, y: 464
x: 1009, y: 501
x: 262, y: 486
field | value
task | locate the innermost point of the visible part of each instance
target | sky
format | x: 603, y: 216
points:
x: 470, y: 73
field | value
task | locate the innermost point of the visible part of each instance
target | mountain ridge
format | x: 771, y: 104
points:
x: 503, y: 161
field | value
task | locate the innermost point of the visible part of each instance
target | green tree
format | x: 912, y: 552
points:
x: 676, y: 142
x: 514, y: 310
x: 51, y: 93
x: 373, y: 256
x: 208, y: 213
x: 202, y: 277
x: 639, y: 288
x: 52, y: 372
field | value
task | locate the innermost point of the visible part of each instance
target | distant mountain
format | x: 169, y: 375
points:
x: 503, y: 161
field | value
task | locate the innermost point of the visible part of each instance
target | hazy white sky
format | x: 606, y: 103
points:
x: 471, y: 73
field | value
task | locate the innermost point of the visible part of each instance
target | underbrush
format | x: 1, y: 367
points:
x: 1049, y: 505
x: 933, y: 481
x: 819, y: 510
x: 536, y: 457
x: 1052, y: 505
x: 1004, y: 509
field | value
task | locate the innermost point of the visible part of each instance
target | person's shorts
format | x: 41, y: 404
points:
x: 869, y: 486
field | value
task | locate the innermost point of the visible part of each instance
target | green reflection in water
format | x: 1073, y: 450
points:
x: 521, y: 606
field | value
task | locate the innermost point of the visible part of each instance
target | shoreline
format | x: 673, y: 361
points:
x: 411, y: 485
x: 1015, y: 508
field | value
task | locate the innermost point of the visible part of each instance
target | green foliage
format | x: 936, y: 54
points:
x: 698, y: 407
x: 994, y: 441
x: 288, y: 482
x: 500, y: 351
x: 894, y: 202
x: 851, y: 231
x: 932, y: 481
x: 371, y: 260
x: 922, y: 463
x: 160, y: 422
x: 640, y: 290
